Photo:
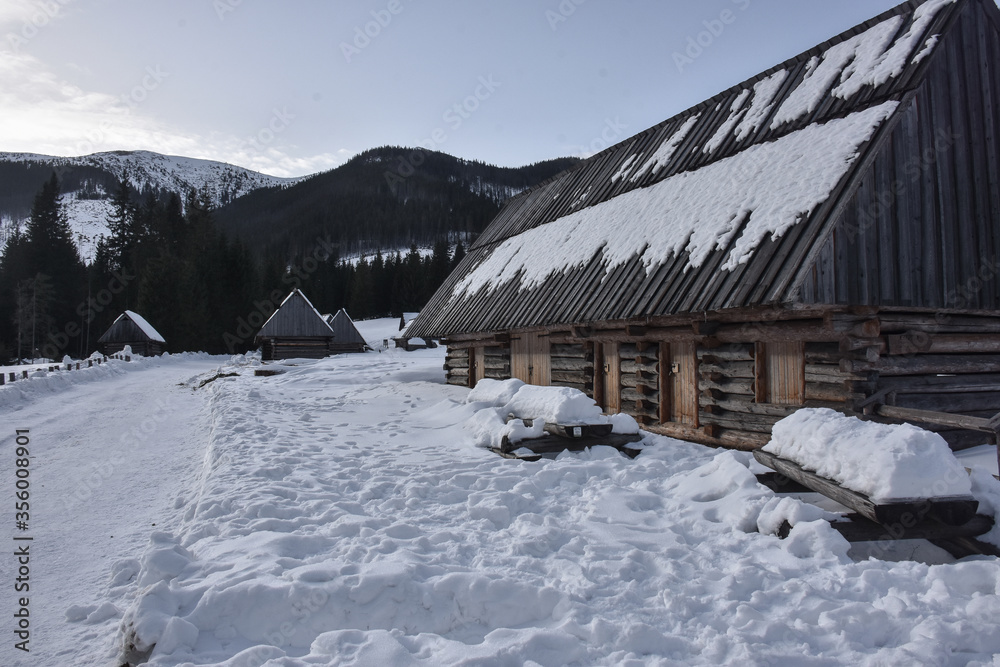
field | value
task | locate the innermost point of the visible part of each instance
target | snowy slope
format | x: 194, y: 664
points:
x: 144, y: 171
x: 340, y: 514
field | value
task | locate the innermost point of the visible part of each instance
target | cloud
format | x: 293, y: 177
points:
x: 45, y: 114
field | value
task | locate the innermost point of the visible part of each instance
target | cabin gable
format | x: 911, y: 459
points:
x: 922, y: 228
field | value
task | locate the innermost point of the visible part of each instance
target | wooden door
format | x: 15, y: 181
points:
x: 679, y: 383
x: 611, y: 378
x: 530, y: 360
x: 478, y: 370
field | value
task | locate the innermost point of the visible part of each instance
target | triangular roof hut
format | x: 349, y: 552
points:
x: 826, y: 233
x: 133, y: 330
x: 346, y: 337
x: 295, y: 330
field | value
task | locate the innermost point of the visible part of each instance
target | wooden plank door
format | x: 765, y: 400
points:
x: 530, y: 359
x: 478, y: 370
x: 683, y: 368
x: 611, y: 375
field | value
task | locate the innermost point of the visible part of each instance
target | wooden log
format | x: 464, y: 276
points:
x: 633, y: 394
x: 860, y: 529
x: 936, y: 384
x: 952, y: 403
x: 742, y: 387
x: 926, y: 365
x: 727, y: 353
x: 741, y: 422
x: 632, y: 366
x: 939, y: 323
x: 566, y: 364
x: 835, y: 393
x: 941, y: 418
x: 733, y: 369
x: 568, y: 377
x: 910, y: 512
x: 458, y: 372
x: 920, y: 342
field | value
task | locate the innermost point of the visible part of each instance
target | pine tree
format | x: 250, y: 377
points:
x: 52, y: 252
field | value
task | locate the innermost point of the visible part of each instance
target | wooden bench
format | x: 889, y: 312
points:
x: 560, y: 438
x: 950, y: 523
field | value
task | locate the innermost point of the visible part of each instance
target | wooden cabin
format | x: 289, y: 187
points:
x: 133, y: 330
x: 826, y: 234
x: 346, y: 337
x: 295, y: 331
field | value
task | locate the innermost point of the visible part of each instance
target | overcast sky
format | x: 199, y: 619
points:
x: 293, y: 87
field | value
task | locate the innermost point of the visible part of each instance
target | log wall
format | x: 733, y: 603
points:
x: 853, y: 363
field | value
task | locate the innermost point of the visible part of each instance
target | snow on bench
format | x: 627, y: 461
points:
x: 546, y: 419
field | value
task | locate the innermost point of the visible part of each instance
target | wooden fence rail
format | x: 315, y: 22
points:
x: 12, y: 376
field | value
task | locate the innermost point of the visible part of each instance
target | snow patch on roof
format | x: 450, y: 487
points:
x: 145, y: 326
x: 735, y: 114
x: 764, y: 93
x: 771, y: 187
x: 863, y: 60
x: 623, y: 172
x: 661, y: 158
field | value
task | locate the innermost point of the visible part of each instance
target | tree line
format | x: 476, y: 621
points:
x: 166, y: 259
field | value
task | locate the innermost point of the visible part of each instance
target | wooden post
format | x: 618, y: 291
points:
x: 24, y: 375
x: 90, y: 363
x: 12, y: 377
x: 1, y: 379
x: 78, y: 365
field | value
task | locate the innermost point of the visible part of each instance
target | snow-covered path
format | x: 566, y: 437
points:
x: 107, y: 457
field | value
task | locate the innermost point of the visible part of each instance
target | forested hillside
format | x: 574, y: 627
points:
x: 207, y: 278
x: 386, y: 197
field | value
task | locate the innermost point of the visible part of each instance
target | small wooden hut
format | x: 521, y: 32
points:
x: 824, y: 234
x: 295, y: 331
x: 346, y: 337
x: 133, y: 330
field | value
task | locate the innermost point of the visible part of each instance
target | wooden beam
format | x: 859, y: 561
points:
x: 940, y: 418
x: 860, y: 529
x: 950, y: 511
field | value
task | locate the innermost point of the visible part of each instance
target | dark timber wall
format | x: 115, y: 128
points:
x: 923, y: 229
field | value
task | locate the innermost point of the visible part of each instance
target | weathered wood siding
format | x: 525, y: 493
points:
x: 923, y: 228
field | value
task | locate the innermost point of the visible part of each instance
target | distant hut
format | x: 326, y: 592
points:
x: 295, y: 331
x: 133, y: 330
x: 346, y: 337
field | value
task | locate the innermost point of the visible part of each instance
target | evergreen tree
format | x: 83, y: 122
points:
x: 52, y: 252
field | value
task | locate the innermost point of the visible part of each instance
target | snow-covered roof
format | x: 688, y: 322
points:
x: 131, y: 327
x: 296, y: 317
x: 144, y: 326
x: 718, y: 207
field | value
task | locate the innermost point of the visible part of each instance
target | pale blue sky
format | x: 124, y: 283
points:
x: 270, y: 85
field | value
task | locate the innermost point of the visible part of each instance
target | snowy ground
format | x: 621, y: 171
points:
x: 339, y: 513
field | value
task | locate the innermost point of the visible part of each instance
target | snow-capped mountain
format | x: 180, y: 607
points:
x: 89, y: 181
